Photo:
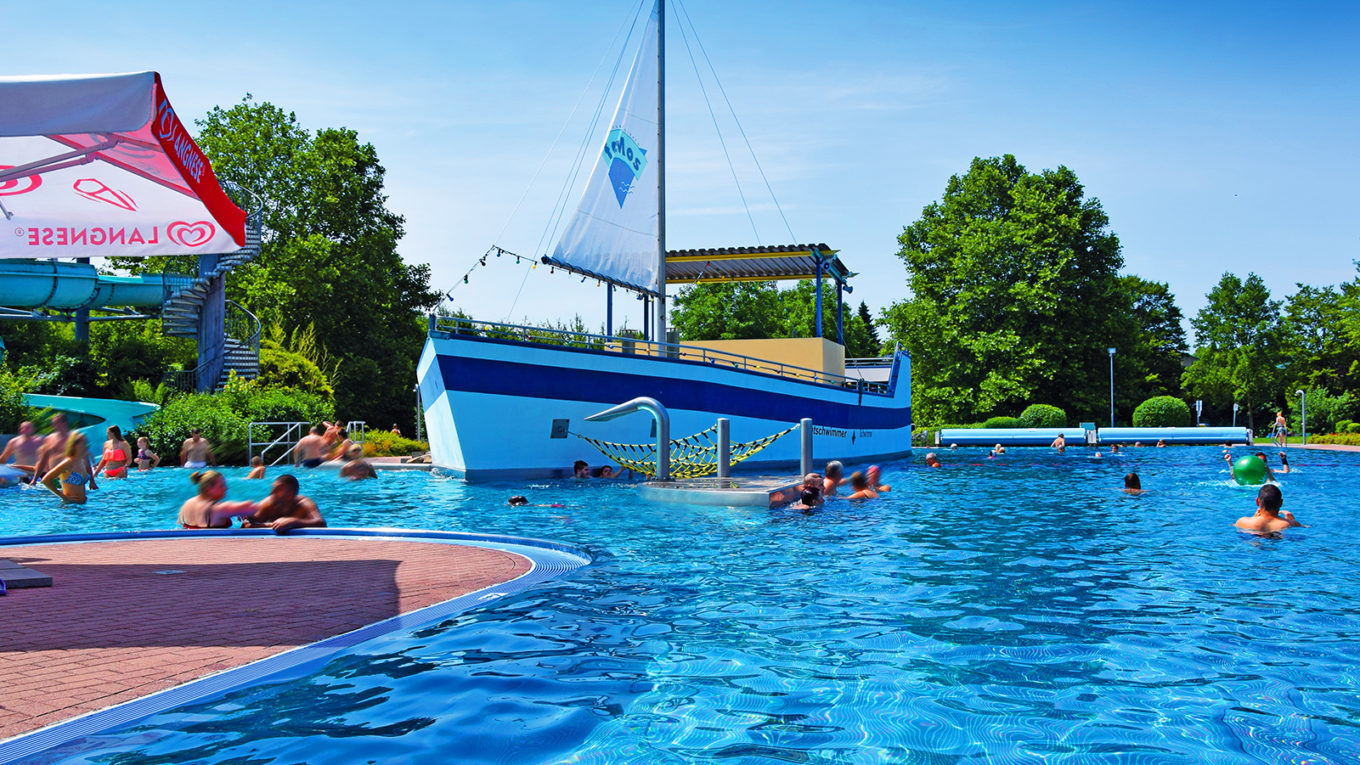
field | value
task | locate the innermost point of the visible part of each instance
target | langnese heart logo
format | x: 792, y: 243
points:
x: 15, y: 186
x: 190, y: 234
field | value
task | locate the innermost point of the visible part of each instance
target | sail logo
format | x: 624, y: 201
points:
x: 626, y: 162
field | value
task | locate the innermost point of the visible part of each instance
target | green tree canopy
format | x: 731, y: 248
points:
x: 330, y: 253
x: 746, y: 310
x: 1015, y: 295
x: 1238, y: 337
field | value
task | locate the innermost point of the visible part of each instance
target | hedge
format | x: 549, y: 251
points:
x: 1162, y: 412
x: 1003, y: 422
x: 385, y: 443
x: 1348, y: 439
x: 167, y: 428
x: 1043, y: 416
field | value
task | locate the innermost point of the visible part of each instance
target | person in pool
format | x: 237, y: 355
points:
x: 146, y: 459
x: 207, y: 509
x: 860, y: 484
x: 196, y: 452
x: 285, y: 509
x: 256, y: 468
x: 1161, y: 443
x: 1114, y: 449
x: 307, y: 453
x: 67, y: 478
x: 117, y: 455
x: 932, y: 460
x: 1060, y: 443
x: 875, y: 475
x: 1270, y: 474
x: 1132, y: 484
x: 835, y: 476
x: 23, y: 448
x: 580, y: 469
x: 1268, y: 517
x: 50, y: 453
x: 1284, y: 463
x: 357, y: 468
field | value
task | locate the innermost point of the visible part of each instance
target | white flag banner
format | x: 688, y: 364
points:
x: 99, y: 166
x: 614, y: 233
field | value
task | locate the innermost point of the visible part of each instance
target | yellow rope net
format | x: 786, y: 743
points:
x: 691, y: 457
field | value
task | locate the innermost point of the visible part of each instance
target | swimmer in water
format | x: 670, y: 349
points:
x: 1268, y: 518
x: 1132, y: 484
x: 875, y: 476
x: 835, y: 476
x: 1060, y: 443
x: 146, y: 459
x: 1284, y: 463
x: 999, y: 449
x: 207, y: 509
x: 67, y: 477
x: 1270, y: 474
x: 932, y: 460
x: 1161, y: 443
x: 256, y: 468
x: 860, y: 484
x: 1114, y: 449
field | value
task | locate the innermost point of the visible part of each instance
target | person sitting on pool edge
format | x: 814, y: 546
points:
x: 860, y: 484
x: 285, y: 509
x: 1267, y: 517
x: 875, y: 474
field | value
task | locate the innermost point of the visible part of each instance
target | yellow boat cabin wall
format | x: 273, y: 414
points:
x: 816, y: 353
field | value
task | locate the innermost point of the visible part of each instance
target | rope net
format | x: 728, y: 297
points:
x: 691, y: 457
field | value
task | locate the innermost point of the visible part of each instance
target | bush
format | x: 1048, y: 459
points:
x: 168, y: 427
x: 385, y: 443
x: 1339, y: 426
x: 1326, y: 413
x: 1003, y: 422
x: 288, y: 371
x: 1353, y: 427
x: 1348, y: 439
x: 1043, y: 416
x: 1162, y: 412
x: 254, y: 402
x: 12, y: 408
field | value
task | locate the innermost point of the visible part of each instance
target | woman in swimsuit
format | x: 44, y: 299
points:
x: 146, y: 459
x: 68, y: 477
x: 117, y: 455
x: 207, y: 510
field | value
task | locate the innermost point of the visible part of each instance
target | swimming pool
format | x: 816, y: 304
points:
x: 1004, y: 610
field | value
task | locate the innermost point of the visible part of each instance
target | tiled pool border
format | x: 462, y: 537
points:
x: 548, y: 560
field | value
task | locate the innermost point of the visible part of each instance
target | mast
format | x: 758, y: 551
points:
x: 659, y: 305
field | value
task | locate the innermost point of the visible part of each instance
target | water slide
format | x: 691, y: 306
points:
x: 127, y: 415
x: 67, y: 286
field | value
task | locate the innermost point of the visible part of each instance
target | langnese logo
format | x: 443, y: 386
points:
x: 626, y: 162
x: 190, y: 234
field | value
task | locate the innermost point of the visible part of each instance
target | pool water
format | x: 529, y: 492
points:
x: 1010, y: 610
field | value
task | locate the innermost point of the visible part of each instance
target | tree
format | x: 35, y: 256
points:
x: 1015, y: 295
x: 1238, y: 339
x: 1155, y: 357
x: 868, y: 320
x: 1313, y: 331
x: 330, y: 251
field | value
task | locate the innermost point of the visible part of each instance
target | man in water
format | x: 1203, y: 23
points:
x: 1060, y: 443
x: 357, y: 468
x: 307, y: 453
x: 284, y: 509
x: 875, y: 475
x: 196, y: 452
x: 1268, y: 517
x: 580, y: 469
x: 23, y: 448
x: 1270, y: 474
x: 256, y: 468
x: 835, y: 476
x: 932, y: 460
x: 1132, y: 484
x: 54, y: 446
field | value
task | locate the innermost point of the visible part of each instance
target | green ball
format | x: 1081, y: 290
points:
x: 1249, y: 471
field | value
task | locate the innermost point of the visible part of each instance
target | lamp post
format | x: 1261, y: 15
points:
x: 1303, y: 424
x: 1111, y: 387
x: 1234, y: 414
x: 419, y: 414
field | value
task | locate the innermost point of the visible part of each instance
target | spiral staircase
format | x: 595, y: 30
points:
x: 228, y: 335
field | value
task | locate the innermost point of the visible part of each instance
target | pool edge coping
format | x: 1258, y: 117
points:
x: 547, y: 560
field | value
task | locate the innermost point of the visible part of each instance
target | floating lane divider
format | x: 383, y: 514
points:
x: 548, y: 560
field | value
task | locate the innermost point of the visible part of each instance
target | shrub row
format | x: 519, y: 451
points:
x: 385, y: 443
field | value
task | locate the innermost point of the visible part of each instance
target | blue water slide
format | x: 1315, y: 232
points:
x: 127, y: 415
x: 68, y: 286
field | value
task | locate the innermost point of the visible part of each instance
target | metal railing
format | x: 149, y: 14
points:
x: 243, y: 326
x: 265, y: 435
x: 453, y: 325
x: 871, y: 362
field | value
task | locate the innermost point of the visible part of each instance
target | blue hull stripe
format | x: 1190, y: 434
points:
x: 536, y: 381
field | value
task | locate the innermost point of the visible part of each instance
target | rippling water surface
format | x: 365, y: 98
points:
x: 1012, y: 610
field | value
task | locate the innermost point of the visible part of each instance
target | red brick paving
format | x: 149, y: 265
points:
x: 111, y: 629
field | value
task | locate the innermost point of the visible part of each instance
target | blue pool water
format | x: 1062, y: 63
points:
x: 1016, y: 610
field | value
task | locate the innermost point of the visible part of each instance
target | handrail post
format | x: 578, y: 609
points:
x: 724, y: 447
x: 805, y: 455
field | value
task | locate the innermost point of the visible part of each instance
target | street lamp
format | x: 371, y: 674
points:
x: 419, y: 414
x: 1111, y: 387
x: 1234, y: 414
x: 1303, y: 424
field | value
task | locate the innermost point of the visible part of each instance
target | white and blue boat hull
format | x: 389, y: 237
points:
x: 503, y: 409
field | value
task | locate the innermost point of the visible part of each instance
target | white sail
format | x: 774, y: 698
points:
x: 615, y: 229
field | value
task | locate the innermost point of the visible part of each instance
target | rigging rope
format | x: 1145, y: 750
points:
x: 691, y: 457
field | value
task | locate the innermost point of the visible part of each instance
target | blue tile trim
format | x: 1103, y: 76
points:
x: 549, y: 559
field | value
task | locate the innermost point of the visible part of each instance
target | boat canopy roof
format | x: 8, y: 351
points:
x: 750, y: 264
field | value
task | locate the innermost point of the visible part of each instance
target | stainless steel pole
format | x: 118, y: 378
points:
x: 724, y: 447
x: 805, y: 458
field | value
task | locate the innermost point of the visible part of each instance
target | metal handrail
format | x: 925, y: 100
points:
x: 635, y: 346
x: 869, y: 362
x: 243, y: 326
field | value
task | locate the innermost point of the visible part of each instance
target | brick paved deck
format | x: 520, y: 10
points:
x: 116, y: 625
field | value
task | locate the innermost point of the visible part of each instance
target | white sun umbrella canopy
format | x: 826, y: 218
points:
x: 100, y: 165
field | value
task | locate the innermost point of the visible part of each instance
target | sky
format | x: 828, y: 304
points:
x: 1218, y: 136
